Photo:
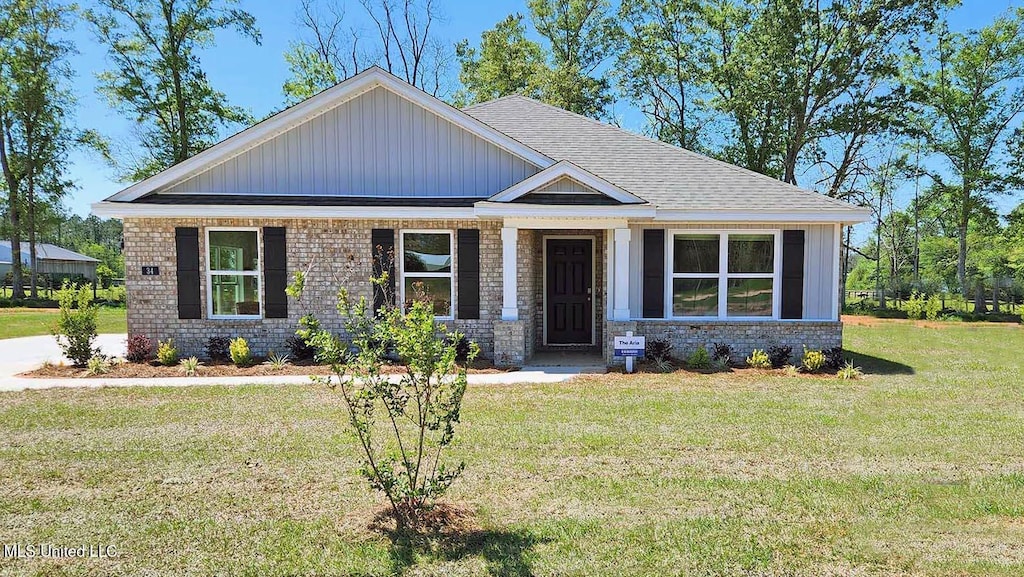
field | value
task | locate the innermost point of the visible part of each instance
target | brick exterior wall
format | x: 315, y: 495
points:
x: 337, y: 253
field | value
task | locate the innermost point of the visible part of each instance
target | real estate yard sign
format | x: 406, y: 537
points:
x: 630, y: 347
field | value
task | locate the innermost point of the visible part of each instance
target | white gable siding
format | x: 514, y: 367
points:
x: 821, y: 287
x: 376, y: 144
x: 567, y: 184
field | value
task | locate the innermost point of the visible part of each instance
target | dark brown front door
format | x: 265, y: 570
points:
x: 569, y: 291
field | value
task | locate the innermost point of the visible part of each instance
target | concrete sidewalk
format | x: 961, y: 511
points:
x: 27, y: 353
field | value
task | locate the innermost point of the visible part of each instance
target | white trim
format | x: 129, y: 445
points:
x: 723, y: 275
x: 564, y: 223
x: 142, y: 210
x: 621, y: 311
x: 450, y: 275
x: 562, y: 169
x: 314, y: 106
x: 852, y: 215
x: 509, y: 273
x: 520, y: 210
x: 210, y: 273
x: 837, y: 278
x: 544, y: 286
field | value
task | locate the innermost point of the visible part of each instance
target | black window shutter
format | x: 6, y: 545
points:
x: 186, y: 246
x: 468, y: 264
x: 275, y: 273
x: 792, y: 274
x: 382, y: 242
x: 654, y: 274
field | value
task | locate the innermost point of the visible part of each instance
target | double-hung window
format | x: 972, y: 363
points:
x: 724, y: 274
x: 233, y: 273
x: 427, y: 270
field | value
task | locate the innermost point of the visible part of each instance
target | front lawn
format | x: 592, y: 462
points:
x: 917, y: 469
x: 25, y: 322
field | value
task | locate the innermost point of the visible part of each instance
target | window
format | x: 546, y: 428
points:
x: 233, y: 273
x: 427, y: 270
x: 724, y: 275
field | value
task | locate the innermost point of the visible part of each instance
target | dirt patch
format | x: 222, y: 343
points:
x: 152, y: 369
x: 869, y: 321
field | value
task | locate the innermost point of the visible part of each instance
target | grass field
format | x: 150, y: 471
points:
x: 917, y: 469
x: 21, y: 322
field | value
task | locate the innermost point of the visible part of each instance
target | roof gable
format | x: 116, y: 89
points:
x: 566, y: 178
x: 368, y: 135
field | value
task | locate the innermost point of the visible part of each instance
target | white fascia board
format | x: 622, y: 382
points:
x: 561, y: 169
x: 141, y: 210
x: 517, y: 210
x: 313, y: 106
x: 849, y: 216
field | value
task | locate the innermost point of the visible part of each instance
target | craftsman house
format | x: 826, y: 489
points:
x: 530, y: 228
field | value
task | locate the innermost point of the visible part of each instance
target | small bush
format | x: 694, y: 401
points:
x: 139, y: 349
x: 721, y: 353
x: 915, y: 306
x: 849, y: 372
x: 190, y: 365
x: 779, y: 356
x: 791, y: 371
x: 659, y: 351
x: 758, y: 359
x: 812, y: 360
x: 217, y: 349
x: 699, y: 359
x: 98, y: 365
x: 299, y: 349
x: 834, y: 358
x: 76, y: 326
x: 167, y: 353
x: 276, y: 361
x: 463, y: 347
x: 240, y: 354
x: 933, y: 308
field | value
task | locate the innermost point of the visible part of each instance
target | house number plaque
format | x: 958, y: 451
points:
x: 150, y: 271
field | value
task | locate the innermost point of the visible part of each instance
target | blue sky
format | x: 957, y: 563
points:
x: 252, y: 75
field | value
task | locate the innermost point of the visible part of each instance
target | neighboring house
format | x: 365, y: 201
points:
x: 529, y: 227
x: 51, y: 260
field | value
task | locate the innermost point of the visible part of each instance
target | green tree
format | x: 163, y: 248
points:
x: 507, y: 62
x: 34, y: 104
x: 580, y: 35
x: 157, y: 77
x: 968, y: 91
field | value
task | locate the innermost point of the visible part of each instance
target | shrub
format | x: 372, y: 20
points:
x: 915, y: 306
x: 97, y: 365
x: 463, y: 347
x: 167, y: 353
x: 779, y: 356
x: 849, y: 372
x: 758, y: 359
x: 217, y: 349
x: 812, y: 360
x: 403, y: 426
x: 659, y: 350
x: 299, y: 350
x: 933, y: 308
x: 139, y: 349
x: 791, y: 371
x: 699, y: 359
x: 834, y: 358
x: 76, y: 325
x: 276, y: 361
x: 190, y: 366
x: 239, y: 350
x: 721, y: 353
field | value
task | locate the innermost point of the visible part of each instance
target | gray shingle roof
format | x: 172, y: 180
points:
x: 667, y: 176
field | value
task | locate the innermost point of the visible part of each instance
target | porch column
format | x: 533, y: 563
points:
x: 620, y: 306
x: 509, y: 274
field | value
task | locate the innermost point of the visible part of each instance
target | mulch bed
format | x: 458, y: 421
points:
x: 644, y: 367
x: 152, y: 369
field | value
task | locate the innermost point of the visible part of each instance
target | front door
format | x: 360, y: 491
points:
x: 569, y: 287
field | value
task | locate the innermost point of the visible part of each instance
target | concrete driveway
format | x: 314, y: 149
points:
x: 27, y: 353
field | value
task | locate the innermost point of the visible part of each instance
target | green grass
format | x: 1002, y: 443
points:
x: 917, y: 469
x: 24, y: 322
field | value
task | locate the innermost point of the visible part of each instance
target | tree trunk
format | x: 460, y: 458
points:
x: 979, y: 299
x: 961, y: 261
x: 13, y: 212
x: 995, y: 295
x: 31, y: 198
